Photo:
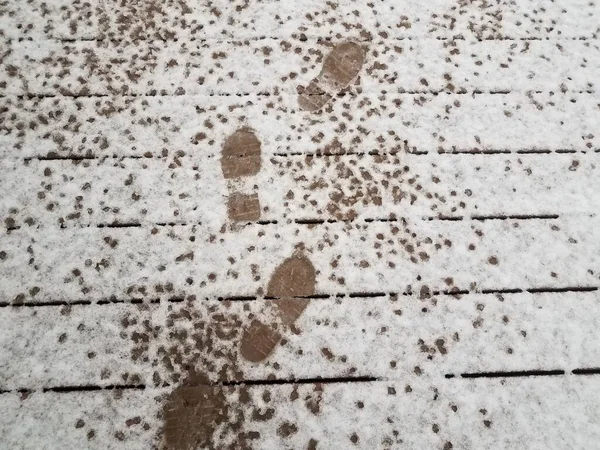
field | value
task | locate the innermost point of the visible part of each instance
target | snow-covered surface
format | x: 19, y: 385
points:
x: 447, y: 200
x: 488, y: 414
x: 297, y: 188
x: 495, y: 332
x: 197, y: 126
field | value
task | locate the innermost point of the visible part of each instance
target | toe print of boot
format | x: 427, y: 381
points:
x: 240, y: 160
x: 340, y: 68
x: 292, y: 280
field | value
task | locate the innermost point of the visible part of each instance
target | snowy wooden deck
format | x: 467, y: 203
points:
x: 191, y: 259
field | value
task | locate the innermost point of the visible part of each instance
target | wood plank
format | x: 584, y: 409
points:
x: 562, y: 18
x: 553, y: 413
x: 102, y: 419
x: 94, y: 192
x: 60, y: 19
x: 242, y: 67
x: 97, y: 263
x: 524, y: 19
x: 171, y: 126
x: 71, y: 345
x: 143, y: 19
x: 379, y: 337
x: 384, y: 425
x: 438, y: 336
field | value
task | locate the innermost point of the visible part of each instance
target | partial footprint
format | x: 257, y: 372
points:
x: 192, y: 412
x: 340, y: 67
x: 294, y: 278
x: 191, y: 417
x: 240, y: 158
